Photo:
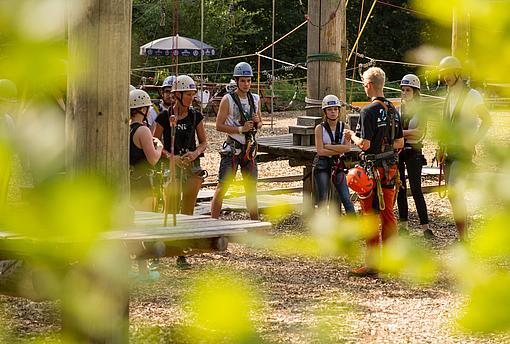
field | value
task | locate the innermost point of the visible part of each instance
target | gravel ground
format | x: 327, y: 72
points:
x: 301, y: 297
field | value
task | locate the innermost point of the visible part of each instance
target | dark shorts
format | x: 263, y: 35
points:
x: 229, y: 165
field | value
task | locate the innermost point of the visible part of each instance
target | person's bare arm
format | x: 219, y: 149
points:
x: 146, y: 141
x: 319, y: 145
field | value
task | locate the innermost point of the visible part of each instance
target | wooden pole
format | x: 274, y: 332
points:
x: 97, y: 133
x: 326, y: 50
x: 97, y: 114
x: 460, y: 35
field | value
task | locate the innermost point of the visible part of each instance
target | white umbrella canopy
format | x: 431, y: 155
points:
x: 176, y: 46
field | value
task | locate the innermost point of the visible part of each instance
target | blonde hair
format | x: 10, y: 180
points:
x: 375, y: 75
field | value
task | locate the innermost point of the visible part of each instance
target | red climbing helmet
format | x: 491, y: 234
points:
x: 359, y: 181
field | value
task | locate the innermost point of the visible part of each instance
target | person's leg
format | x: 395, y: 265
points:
x: 250, y: 174
x: 321, y: 179
x: 372, y: 243
x: 388, y: 220
x: 189, y: 194
x: 403, y: 210
x: 228, y: 168
x: 456, y: 192
x: 343, y: 193
x: 414, y: 168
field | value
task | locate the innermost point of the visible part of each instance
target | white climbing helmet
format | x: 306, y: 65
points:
x: 169, y: 81
x: 243, y: 69
x: 450, y: 63
x: 184, y: 83
x: 131, y: 88
x: 330, y: 100
x: 410, y: 80
x: 138, y: 99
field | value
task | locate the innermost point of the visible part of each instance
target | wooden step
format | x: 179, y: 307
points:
x: 309, y: 121
x: 302, y: 129
x: 303, y: 140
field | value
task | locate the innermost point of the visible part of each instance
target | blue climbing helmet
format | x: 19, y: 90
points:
x: 169, y: 81
x: 243, y: 69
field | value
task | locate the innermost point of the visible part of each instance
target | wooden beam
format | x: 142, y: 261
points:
x: 97, y: 114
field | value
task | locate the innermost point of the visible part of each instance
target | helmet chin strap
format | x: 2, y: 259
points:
x: 141, y: 113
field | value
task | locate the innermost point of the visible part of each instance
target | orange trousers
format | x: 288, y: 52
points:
x: 388, y: 225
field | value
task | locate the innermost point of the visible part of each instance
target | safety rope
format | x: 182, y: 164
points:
x: 355, y: 56
x: 331, y: 17
x: 362, y: 29
x: 333, y: 57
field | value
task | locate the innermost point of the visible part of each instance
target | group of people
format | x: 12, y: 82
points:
x: 390, y: 141
x: 176, y: 131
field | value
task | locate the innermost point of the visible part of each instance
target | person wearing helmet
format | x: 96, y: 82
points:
x: 328, y: 164
x: 164, y: 103
x: 466, y: 120
x: 411, y: 157
x: 379, y: 134
x: 167, y: 97
x: 144, y: 150
x: 188, y: 125
x: 239, y: 117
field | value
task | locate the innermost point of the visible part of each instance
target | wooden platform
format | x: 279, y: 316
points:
x: 282, y: 146
x: 192, y: 234
x: 265, y: 203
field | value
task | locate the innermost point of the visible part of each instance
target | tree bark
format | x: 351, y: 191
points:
x: 97, y: 114
x: 326, y: 49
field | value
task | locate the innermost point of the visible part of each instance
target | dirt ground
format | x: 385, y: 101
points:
x: 299, y: 295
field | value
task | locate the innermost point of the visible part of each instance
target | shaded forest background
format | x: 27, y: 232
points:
x: 244, y: 26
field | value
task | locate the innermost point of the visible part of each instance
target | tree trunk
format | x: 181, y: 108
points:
x: 97, y: 115
x: 326, y: 49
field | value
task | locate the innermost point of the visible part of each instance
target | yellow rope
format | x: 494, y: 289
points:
x: 355, y: 56
x: 362, y: 29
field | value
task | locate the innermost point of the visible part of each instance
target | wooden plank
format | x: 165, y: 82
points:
x: 301, y: 129
x: 292, y: 178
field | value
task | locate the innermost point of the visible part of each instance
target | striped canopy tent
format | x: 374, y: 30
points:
x: 177, y: 46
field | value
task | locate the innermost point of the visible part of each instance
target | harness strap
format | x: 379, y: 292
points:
x: 389, y: 132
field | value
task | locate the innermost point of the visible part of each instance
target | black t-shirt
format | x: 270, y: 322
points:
x: 136, y: 155
x: 372, y: 124
x: 185, y: 131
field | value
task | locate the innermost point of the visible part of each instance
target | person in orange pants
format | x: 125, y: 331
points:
x: 379, y: 134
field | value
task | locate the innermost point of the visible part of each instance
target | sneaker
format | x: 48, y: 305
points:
x: 182, y: 263
x: 428, y: 234
x: 363, y: 272
x: 142, y: 277
x: 153, y: 264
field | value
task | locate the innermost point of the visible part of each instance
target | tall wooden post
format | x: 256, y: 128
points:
x: 326, y: 51
x: 460, y: 34
x: 97, y: 114
x: 97, y: 135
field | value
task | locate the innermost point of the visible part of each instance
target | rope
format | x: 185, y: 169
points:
x: 324, y: 57
x: 192, y: 63
x: 355, y: 56
x: 362, y: 29
x: 331, y: 16
x: 395, y: 62
x: 284, y: 36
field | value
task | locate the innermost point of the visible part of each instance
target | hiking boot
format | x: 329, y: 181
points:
x: 363, y: 272
x: 428, y: 234
x: 182, y: 263
x: 153, y: 264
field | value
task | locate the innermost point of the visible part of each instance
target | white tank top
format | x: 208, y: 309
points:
x: 234, y: 116
x: 326, y: 139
